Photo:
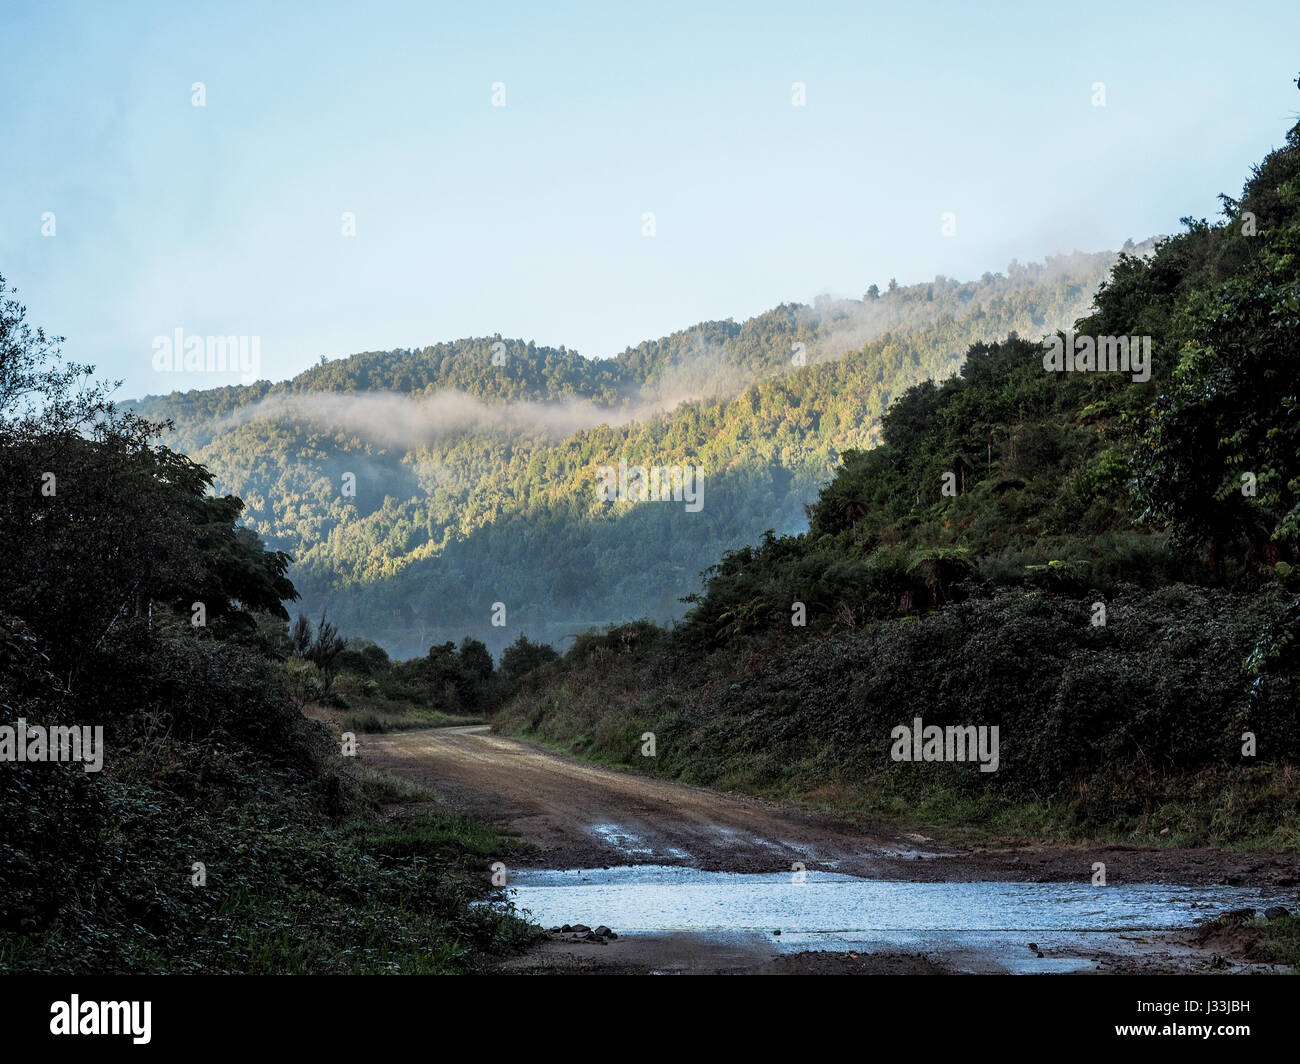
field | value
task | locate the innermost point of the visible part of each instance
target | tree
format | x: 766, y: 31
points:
x: 1222, y: 454
x: 100, y: 522
x: 39, y: 394
x: 326, y: 646
x: 476, y: 659
x: 300, y: 636
x: 523, y: 656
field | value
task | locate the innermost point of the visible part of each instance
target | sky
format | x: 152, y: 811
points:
x: 530, y: 219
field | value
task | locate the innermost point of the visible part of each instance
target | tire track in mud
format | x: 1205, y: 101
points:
x: 582, y: 815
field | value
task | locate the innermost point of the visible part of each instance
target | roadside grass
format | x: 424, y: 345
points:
x: 386, y: 787
x: 449, y: 836
x: 405, y: 720
x: 379, y: 716
x: 360, y: 704
x: 1280, y: 941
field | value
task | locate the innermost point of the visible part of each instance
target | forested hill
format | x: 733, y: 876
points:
x: 473, y: 463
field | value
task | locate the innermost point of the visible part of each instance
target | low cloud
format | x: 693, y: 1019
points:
x: 402, y: 421
x: 705, y: 371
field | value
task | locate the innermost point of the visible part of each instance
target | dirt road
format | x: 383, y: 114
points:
x: 599, y: 820
x: 584, y: 816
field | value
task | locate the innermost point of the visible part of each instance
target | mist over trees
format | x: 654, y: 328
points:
x: 474, y: 461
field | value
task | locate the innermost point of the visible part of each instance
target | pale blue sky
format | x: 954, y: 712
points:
x: 526, y: 220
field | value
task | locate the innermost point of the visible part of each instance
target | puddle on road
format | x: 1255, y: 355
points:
x: 832, y: 911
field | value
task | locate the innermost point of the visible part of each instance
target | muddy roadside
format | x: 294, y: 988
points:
x: 579, y: 815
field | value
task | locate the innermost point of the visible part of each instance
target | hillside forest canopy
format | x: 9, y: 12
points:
x: 417, y: 488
